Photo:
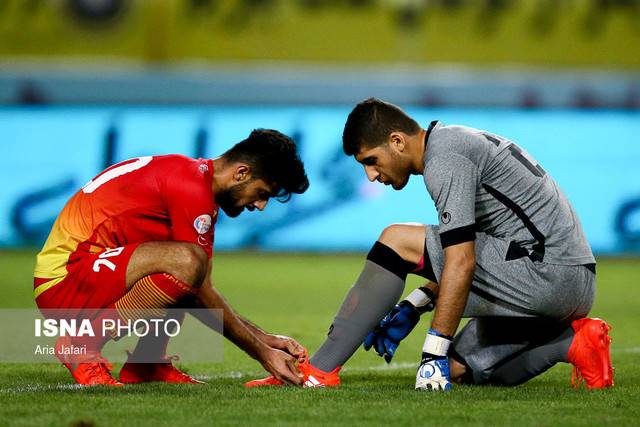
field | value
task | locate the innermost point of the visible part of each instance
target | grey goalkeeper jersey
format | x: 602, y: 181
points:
x: 481, y: 182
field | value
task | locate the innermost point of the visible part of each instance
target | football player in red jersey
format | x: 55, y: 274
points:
x: 139, y: 236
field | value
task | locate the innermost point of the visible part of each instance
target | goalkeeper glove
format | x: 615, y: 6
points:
x: 399, y: 322
x: 433, y: 372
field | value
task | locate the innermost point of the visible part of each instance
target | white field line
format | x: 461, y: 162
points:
x: 39, y: 388
x: 389, y: 367
x: 225, y: 375
x: 633, y: 350
x: 252, y: 374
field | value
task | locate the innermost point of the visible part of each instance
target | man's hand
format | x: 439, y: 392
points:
x: 286, y: 344
x: 281, y: 365
x: 392, y: 329
x: 399, y: 323
x: 433, y: 372
x: 250, y: 338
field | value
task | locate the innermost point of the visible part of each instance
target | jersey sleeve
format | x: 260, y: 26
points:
x: 190, y: 205
x: 451, y: 180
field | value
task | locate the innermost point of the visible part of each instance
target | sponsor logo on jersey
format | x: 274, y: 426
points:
x: 203, y: 168
x: 445, y: 217
x: 202, y: 224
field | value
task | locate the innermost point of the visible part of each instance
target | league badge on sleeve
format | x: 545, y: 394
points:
x: 202, y: 224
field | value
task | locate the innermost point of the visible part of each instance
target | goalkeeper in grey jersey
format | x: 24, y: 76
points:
x: 509, y: 253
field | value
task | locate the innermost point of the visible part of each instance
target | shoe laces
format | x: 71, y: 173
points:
x: 99, y: 366
x: 169, y: 360
x: 168, y: 363
x: 173, y: 358
x: 576, y: 377
x: 95, y: 358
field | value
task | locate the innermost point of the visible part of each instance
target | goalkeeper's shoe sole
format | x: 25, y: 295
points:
x: 90, y: 369
x: 590, y: 354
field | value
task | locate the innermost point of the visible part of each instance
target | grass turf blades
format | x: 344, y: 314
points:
x: 298, y: 295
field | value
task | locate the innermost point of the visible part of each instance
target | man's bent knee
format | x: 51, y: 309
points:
x: 407, y: 240
x: 459, y: 373
x: 185, y: 261
x: 190, y: 264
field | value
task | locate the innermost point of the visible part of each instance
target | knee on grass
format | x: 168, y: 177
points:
x: 459, y: 373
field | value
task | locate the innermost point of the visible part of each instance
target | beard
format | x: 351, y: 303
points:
x: 401, y: 185
x: 228, y: 200
x: 401, y: 174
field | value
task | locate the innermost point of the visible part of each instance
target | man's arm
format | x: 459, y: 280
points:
x: 280, y: 342
x: 277, y: 362
x: 455, y: 282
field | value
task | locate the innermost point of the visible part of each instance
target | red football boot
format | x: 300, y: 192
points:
x: 313, y: 377
x: 589, y: 354
x: 264, y: 382
x: 164, y: 371
x: 87, y: 369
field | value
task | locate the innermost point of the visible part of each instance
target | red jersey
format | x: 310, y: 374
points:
x: 159, y: 198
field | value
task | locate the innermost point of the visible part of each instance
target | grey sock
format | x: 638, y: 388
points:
x: 368, y: 301
x: 534, y: 361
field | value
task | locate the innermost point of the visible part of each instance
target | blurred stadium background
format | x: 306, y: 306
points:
x: 87, y: 83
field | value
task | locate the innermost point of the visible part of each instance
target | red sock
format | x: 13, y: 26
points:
x: 152, y: 347
x: 148, y: 297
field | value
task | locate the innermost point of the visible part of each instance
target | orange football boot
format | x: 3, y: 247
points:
x: 163, y: 371
x: 589, y: 354
x: 87, y: 369
x: 313, y: 377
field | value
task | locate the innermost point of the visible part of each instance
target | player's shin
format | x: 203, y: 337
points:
x: 372, y: 296
x: 535, y: 360
x: 148, y: 297
x: 149, y: 361
x: 152, y: 348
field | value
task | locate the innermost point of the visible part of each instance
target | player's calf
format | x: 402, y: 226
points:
x: 149, y: 297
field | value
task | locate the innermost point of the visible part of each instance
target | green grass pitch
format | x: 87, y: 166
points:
x: 297, y: 295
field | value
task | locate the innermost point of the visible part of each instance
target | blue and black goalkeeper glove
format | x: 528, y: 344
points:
x: 399, y: 322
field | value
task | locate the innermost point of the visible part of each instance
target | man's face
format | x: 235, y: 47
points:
x: 250, y: 194
x: 384, y: 164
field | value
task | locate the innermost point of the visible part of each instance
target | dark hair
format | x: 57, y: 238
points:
x: 371, y: 122
x: 273, y: 157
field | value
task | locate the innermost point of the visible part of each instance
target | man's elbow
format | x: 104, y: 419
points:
x: 466, y: 265
x: 462, y: 258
